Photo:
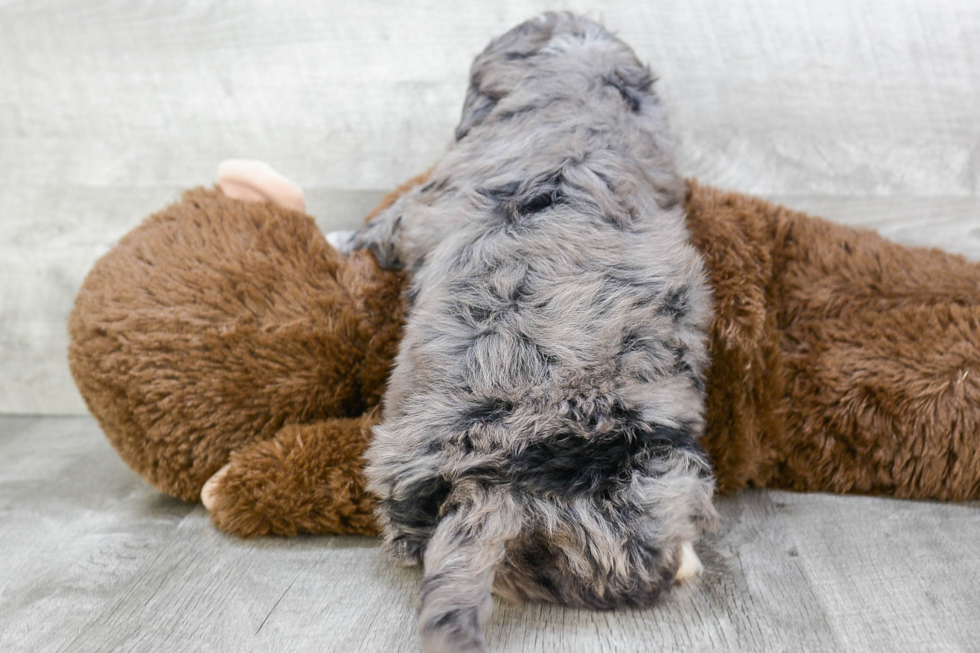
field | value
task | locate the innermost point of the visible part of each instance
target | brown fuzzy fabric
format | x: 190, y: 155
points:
x: 841, y: 362
x: 307, y: 479
x: 745, y: 382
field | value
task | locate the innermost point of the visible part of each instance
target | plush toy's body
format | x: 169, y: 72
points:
x: 221, y: 331
x: 841, y: 362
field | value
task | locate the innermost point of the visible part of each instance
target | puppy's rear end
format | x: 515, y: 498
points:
x: 541, y: 425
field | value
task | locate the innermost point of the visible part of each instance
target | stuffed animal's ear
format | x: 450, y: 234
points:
x: 256, y: 181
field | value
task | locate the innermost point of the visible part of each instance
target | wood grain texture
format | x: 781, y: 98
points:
x: 769, y: 96
x: 92, y: 559
x: 109, y: 108
x: 859, y: 548
x: 76, y: 524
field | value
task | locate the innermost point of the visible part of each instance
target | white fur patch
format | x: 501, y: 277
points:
x: 341, y: 240
x: 690, y: 564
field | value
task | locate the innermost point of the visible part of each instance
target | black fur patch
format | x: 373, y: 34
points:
x: 698, y: 384
x: 676, y: 302
x: 683, y: 368
x: 545, y: 567
x: 504, y: 116
x: 570, y: 464
x: 633, y: 91
x: 520, y: 291
x: 418, y: 512
x: 632, y: 341
x: 629, y: 95
x: 435, y: 186
x: 515, y: 200
x: 474, y: 315
x: 539, y: 559
x: 383, y: 248
x: 501, y: 194
x: 461, y: 626
x: 489, y: 411
x: 536, y: 351
x: 539, y: 202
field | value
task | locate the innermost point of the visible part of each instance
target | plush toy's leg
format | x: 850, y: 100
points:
x: 881, y: 348
x: 307, y: 479
x: 842, y: 362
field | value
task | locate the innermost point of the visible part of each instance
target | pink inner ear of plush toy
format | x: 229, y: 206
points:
x: 256, y: 181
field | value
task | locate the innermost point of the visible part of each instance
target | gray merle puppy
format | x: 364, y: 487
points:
x: 541, y: 423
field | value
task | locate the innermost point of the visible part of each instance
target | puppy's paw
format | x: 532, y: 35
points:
x: 690, y: 564
x: 342, y: 241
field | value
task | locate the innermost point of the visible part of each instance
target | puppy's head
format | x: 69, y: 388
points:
x: 552, y: 57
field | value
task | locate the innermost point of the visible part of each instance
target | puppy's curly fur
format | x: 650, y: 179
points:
x: 541, y: 424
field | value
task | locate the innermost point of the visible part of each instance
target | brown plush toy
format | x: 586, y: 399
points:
x: 227, y: 340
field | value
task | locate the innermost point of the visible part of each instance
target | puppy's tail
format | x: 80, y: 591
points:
x: 459, y: 566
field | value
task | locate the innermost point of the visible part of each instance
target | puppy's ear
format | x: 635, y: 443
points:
x: 493, y: 71
x: 475, y: 109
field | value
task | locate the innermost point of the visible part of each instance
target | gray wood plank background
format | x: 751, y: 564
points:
x: 93, y: 559
x: 867, y: 111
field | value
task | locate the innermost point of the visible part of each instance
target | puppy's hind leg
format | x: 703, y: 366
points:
x: 459, y: 568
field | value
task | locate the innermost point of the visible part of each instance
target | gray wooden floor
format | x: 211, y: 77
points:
x: 92, y: 559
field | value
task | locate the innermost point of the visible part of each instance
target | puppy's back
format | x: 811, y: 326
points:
x: 547, y: 398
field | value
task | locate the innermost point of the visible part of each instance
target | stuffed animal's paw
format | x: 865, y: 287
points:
x: 209, y: 493
x: 305, y: 480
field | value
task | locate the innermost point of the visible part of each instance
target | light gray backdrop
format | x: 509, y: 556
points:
x: 865, y: 111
